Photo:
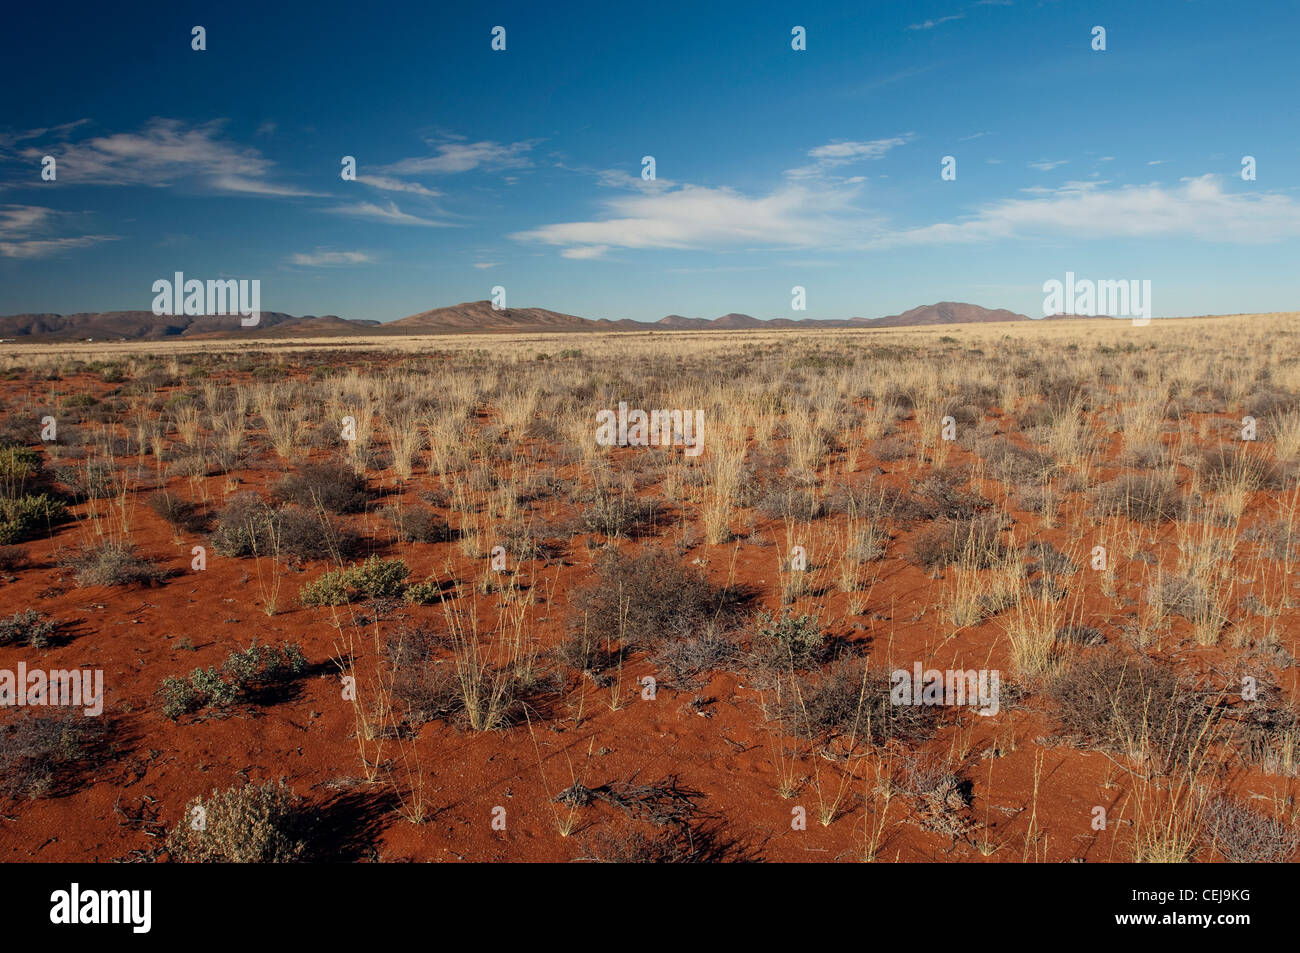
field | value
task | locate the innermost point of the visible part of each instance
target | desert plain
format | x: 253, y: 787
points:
x: 389, y: 598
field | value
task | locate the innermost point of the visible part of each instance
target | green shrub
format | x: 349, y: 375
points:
x: 26, y: 502
x: 330, y: 589
x: 423, y: 593
x: 256, y: 666
x: 789, y: 641
x: 374, y: 579
x: 20, y: 467
x: 22, y: 517
x: 28, y: 627
x: 379, y: 578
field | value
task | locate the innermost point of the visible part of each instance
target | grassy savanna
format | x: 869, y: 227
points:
x: 473, y: 592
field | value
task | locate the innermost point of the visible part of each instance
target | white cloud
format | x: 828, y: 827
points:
x: 1047, y: 165
x: 456, y: 156
x: 825, y: 215
x: 619, y: 179
x: 1198, y: 208
x: 18, y: 219
x: 836, y: 154
x: 43, y: 248
x: 19, y: 222
x: 931, y: 24
x: 585, y: 251
x: 322, y: 258
x: 486, y: 264
x: 694, y: 216
x: 389, y: 184
x: 164, y: 153
x: 389, y: 214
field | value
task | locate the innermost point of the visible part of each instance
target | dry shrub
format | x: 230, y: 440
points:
x: 241, y: 525
x: 253, y: 824
x: 685, y: 662
x: 942, y: 496
x: 332, y: 485
x: 12, y: 557
x: 614, y: 513
x: 111, y: 564
x: 791, y: 499
x: 1131, y: 705
x: 182, y: 514
x: 309, y: 534
x: 848, y: 701
x: 1244, y: 836
x: 421, y: 682
x: 1145, y: 497
x: 50, y: 754
x: 418, y: 524
x: 644, y: 600
x: 247, y: 526
x: 696, y: 842
x: 1014, y: 464
x: 972, y: 542
x: 940, y: 796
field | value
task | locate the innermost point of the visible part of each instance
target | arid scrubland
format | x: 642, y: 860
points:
x: 393, y: 599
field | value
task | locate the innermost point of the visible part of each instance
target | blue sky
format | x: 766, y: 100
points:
x: 775, y: 168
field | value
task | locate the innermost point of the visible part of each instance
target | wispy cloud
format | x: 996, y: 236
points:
x: 619, y: 179
x: 322, y: 258
x: 585, y: 251
x: 45, y: 248
x: 19, y: 219
x: 388, y: 214
x: 692, y: 216
x: 453, y: 156
x: 832, y: 155
x: 1197, y: 208
x: 1047, y: 165
x: 389, y: 184
x: 931, y: 24
x: 826, y: 214
x: 20, y: 226
x: 165, y: 152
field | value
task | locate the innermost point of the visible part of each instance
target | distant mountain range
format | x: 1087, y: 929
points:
x: 147, y: 326
x: 464, y: 318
